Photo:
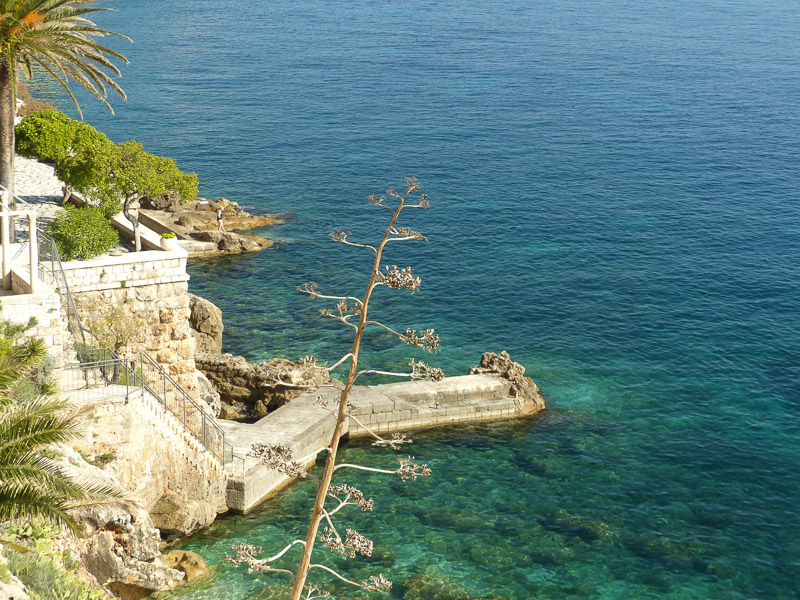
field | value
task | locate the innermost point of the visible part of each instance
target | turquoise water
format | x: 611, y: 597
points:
x: 614, y: 194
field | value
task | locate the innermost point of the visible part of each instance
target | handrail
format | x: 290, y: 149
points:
x: 204, y: 430
x: 209, y: 427
x: 47, y: 249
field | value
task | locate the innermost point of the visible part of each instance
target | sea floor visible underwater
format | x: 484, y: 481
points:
x: 615, y: 200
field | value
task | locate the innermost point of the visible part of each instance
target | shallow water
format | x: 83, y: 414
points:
x: 614, y: 197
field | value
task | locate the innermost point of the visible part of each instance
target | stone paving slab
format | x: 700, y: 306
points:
x: 36, y: 184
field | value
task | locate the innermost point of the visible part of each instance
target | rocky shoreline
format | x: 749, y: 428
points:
x: 194, y: 223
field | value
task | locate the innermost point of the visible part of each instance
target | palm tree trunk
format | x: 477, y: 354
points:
x: 8, y: 109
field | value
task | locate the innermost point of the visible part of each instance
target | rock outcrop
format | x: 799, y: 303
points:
x: 118, y: 546
x: 201, y: 215
x: 206, y: 323
x: 248, y: 389
x: 231, y: 243
x: 523, y: 388
x: 197, y: 221
x: 121, y: 549
x: 191, y: 564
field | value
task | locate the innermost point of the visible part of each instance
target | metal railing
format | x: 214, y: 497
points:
x: 50, y: 271
x: 102, y: 375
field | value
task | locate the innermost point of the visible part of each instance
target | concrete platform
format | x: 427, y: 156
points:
x: 306, y: 428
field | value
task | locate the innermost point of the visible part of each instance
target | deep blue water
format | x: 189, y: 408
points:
x: 614, y: 194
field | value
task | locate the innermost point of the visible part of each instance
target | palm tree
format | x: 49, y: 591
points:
x: 54, y: 36
x: 32, y: 484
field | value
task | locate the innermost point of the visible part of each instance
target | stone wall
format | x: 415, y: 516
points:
x: 45, y: 306
x: 179, y: 483
x: 150, y: 287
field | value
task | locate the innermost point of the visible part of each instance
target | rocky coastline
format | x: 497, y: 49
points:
x: 196, y: 221
x: 175, y: 489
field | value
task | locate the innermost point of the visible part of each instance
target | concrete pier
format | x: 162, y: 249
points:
x: 306, y: 428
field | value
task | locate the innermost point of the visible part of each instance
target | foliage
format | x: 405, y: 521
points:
x: 82, y: 233
x: 32, y: 485
x: 330, y: 499
x: 111, y: 325
x: 57, y: 37
x: 53, y: 136
x: 48, y: 573
x: 168, y: 235
x: 108, y: 175
x: 23, y: 362
x: 133, y: 172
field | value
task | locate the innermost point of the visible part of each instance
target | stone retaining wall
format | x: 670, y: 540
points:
x: 178, y: 482
x: 150, y: 287
x: 45, y: 306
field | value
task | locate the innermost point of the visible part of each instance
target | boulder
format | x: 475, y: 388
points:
x: 522, y: 388
x: 175, y: 516
x: 256, y: 389
x: 191, y: 564
x: 170, y: 202
x: 206, y: 323
x: 196, y: 221
x: 231, y: 243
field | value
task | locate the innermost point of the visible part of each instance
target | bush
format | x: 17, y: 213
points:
x: 82, y: 233
x: 52, y: 135
x: 46, y: 134
x: 50, y: 574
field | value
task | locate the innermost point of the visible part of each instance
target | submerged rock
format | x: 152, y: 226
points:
x: 428, y: 587
x: 190, y: 563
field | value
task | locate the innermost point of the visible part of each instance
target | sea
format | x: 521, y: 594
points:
x: 614, y: 200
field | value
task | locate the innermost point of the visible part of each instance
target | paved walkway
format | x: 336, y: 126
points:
x: 36, y: 183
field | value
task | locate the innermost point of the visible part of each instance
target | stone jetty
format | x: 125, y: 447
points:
x: 305, y: 427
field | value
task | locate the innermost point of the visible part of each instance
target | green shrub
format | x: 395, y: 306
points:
x: 52, y: 135
x: 82, y: 233
x: 49, y: 574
